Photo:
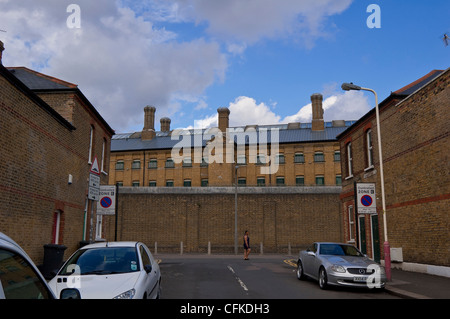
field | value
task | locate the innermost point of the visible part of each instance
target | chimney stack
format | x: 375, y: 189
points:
x: 2, y: 48
x: 224, y: 120
x: 165, y: 124
x: 148, y: 132
x: 317, y: 112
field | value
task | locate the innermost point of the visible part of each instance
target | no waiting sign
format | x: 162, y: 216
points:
x: 107, y: 200
x: 365, y: 197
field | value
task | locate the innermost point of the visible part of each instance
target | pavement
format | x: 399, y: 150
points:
x: 414, y: 285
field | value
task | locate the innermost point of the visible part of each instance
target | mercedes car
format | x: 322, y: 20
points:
x: 339, y: 265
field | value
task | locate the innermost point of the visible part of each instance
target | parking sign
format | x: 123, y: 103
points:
x: 107, y: 200
x: 366, y: 199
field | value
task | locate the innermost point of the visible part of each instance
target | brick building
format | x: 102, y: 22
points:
x: 415, y: 127
x: 49, y: 135
x: 178, y: 186
x: 295, y: 154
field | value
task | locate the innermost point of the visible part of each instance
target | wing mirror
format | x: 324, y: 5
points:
x: 148, y: 268
x: 310, y: 253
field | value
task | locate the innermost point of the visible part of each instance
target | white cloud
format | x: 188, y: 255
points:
x: 252, y: 20
x: 246, y: 111
x: 120, y: 61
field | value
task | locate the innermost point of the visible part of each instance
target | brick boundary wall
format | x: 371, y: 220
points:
x: 282, y: 219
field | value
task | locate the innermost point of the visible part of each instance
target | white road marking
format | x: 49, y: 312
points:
x: 238, y: 279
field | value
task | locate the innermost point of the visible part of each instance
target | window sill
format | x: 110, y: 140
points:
x: 349, y: 177
x: 371, y: 167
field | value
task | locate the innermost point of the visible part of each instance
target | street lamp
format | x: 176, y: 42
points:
x: 387, y: 249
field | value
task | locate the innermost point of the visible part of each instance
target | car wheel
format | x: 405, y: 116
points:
x: 323, y: 281
x: 300, y: 274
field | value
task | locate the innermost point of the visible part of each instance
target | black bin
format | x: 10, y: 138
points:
x: 53, y: 259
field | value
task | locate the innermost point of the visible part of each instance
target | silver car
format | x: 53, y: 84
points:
x: 19, y: 276
x: 340, y: 265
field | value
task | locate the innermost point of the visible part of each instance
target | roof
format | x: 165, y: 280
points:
x: 416, y: 85
x: 199, y: 138
x: 32, y: 96
x: 38, y: 83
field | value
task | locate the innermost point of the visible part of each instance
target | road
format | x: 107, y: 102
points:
x: 230, y: 277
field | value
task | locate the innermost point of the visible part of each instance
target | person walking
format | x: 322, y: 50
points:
x: 246, y: 245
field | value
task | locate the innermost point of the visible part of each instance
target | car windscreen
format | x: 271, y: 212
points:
x: 339, y: 250
x: 18, y: 279
x: 101, y: 261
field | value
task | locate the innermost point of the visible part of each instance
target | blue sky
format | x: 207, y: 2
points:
x: 261, y: 58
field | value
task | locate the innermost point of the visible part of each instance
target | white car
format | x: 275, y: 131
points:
x: 109, y: 270
x: 19, y: 276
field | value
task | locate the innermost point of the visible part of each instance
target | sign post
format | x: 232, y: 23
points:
x: 365, y: 198
x: 94, y: 191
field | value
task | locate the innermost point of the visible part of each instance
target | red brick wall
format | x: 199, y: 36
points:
x: 37, y: 155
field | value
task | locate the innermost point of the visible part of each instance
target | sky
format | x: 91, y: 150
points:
x: 262, y: 59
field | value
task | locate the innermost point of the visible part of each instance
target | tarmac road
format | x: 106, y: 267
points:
x: 231, y: 277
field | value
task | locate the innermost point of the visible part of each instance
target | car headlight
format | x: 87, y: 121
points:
x: 126, y: 295
x: 338, y: 268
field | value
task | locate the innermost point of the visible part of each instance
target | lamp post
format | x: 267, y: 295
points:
x: 235, y: 211
x: 387, y: 250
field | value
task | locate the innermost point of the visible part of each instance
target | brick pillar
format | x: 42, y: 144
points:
x: 165, y: 124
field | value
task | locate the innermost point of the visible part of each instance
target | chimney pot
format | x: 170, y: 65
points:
x: 224, y: 120
x: 165, y: 124
x: 317, y: 112
x: 2, y: 48
x: 148, y: 131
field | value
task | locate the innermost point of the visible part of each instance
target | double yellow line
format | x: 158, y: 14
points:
x: 291, y: 262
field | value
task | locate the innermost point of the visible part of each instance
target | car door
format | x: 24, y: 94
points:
x: 152, y: 276
x: 310, y: 259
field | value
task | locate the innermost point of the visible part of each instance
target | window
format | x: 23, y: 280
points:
x: 337, y: 156
x: 102, y: 167
x: 299, y: 158
x: 170, y: 163
x: 153, y: 164
x: 349, y: 160
x: 241, y: 159
x: 136, y: 164
x: 279, y: 159
x: 187, y: 162
x: 369, y: 148
x: 261, y: 159
x: 120, y: 165
x: 120, y: 184
x: 320, y: 180
x: 319, y: 157
x: 300, y: 180
x: 135, y: 184
x: 351, y: 222
x: 91, y: 143
x: 169, y: 183
x: 204, y: 182
x: 18, y: 279
x: 187, y: 183
x: 204, y: 162
x: 261, y: 181
x: 242, y: 181
x: 152, y: 183
x: 57, y: 217
x: 280, y: 181
x: 338, y: 180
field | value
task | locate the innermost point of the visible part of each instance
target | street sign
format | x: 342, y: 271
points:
x: 366, y: 199
x: 94, y: 181
x: 107, y: 201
